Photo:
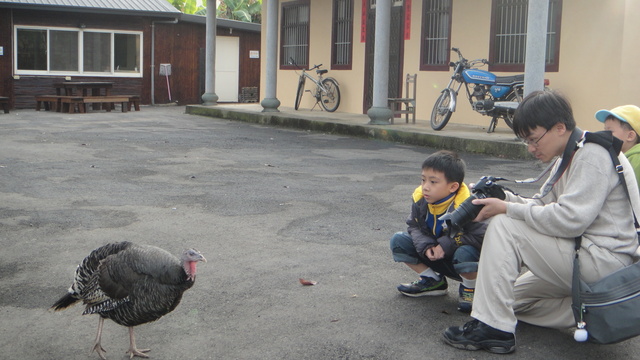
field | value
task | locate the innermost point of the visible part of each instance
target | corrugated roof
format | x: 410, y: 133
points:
x: 147, y: 6
x: 220, y: 22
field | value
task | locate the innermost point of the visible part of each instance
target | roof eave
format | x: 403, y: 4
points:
x: 91, y: 10
x: 220, y: 22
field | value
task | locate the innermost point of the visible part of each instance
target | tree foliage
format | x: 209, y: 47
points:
x: 188, y: 6
x: 241, y: 10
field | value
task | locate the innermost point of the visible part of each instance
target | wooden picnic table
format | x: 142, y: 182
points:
x: 77, y: 96
x: 82, y: 88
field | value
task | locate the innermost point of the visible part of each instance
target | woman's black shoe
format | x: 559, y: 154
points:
x: 476, y: 335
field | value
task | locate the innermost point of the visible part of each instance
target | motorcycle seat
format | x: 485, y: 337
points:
x: 509, y: 80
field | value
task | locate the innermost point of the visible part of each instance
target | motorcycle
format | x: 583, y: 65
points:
x: 488, y: 94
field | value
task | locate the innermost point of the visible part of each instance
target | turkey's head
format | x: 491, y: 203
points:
x: 189, y: 259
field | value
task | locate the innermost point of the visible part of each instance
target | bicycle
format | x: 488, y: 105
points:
x: 327, y: 92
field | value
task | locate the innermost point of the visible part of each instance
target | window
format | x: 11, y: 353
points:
x: 436, y: 35
x: 294, y: 34
x: 342, y: 34
x: 63, y: 47
x: 509, y: 35
x: 97, y: 52
x: 41, y: 51
x: 32, y: 49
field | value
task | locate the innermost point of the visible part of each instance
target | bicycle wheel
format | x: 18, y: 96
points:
x: 330, y: 99
x: 441, y: 112
x: 299, y: 92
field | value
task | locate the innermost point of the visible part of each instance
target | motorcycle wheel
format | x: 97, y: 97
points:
x: 508, y: 118
x: 441, y: 112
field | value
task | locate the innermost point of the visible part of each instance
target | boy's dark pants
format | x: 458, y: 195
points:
x: 464, y: 260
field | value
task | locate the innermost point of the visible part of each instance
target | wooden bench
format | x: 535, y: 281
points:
x: 49, y: 102
x: 59, y: 103
x: 134, y: 100
x: 5, y: 103
x: 71, y: 103
x: 109, y: 101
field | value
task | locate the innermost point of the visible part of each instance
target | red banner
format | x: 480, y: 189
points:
x: 407, y: 19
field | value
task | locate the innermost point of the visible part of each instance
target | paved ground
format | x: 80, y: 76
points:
x: 266, y: 205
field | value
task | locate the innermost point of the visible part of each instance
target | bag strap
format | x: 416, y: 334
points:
x: 567, y: 156
x: 613, y: 145
x: 575, y: 281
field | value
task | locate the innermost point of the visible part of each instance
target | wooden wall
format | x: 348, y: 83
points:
x: 183, y: 47
x: 180, y: 45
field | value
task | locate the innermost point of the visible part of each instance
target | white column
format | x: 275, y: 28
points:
x: 270, y: 103
x: 379, y: 113
x: 209, y: 97
x: 536, y: 45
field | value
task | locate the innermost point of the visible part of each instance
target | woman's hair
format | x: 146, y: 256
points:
x: 544, y: 109
x: 448, y: 163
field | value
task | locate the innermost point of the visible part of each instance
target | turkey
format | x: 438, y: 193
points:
x: 130, y: 284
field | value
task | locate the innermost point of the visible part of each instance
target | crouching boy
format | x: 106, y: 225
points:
x: 428, y: 246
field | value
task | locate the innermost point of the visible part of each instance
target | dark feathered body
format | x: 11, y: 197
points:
x: 128, y: 283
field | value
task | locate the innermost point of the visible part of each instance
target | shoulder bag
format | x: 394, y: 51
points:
x: 607, y: 311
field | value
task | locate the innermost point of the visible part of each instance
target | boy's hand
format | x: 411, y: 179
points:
x: 492, y: 207
x: 434, y: 253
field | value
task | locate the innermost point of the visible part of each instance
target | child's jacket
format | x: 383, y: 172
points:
x: 423, y: 234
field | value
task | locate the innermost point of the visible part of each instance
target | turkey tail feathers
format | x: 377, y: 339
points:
x: 64, y: 302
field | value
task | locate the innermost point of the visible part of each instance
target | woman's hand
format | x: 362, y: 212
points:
x: 492, y: 207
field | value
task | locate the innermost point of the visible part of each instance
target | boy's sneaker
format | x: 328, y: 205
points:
x: 476, y: 335
x: 465, y: 301
x: 426, y: 286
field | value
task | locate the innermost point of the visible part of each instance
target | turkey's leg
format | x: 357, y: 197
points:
x: 133, y: 350
x: 97, y: 347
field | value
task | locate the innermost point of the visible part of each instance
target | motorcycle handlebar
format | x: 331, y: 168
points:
x: 483, y: 61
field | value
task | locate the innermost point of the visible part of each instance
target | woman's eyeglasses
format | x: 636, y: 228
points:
x: 534, y: 143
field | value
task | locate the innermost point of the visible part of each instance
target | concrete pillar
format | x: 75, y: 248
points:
x: 209, y: 97
x: 270, y: 103
x: 538, y: 13
x: 379, y: 113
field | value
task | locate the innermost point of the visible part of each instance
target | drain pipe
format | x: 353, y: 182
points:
x: 153, y: 55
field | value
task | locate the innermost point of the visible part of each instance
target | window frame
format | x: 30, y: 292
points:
x: 347, y: 33
x: 554, y: 26
x: 424, y: 66
x: 80, y: 51
x: 284, y: 61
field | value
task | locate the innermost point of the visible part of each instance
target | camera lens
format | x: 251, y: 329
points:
x: 464, y: 213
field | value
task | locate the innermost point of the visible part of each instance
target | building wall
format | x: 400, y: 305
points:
x: 23, y: 89
x: 598, y: 68
x: 180, y: 45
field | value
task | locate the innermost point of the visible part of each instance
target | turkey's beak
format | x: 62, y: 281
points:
x: 202, y: 258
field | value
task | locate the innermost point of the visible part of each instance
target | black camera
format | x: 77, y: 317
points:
x: 486, y: 187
